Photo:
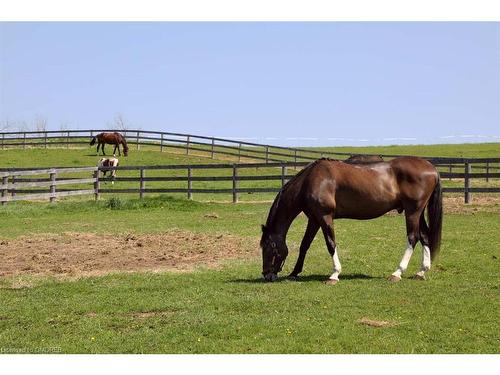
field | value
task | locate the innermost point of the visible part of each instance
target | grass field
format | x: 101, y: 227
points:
x: 227, y: 308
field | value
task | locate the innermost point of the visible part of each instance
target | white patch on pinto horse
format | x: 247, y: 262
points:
x: 403, y: 265
x: 337, y: 267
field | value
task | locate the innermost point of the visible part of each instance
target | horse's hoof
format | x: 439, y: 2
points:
x: 394, y: 278
x: 331, y: 281
x: 419, y: 277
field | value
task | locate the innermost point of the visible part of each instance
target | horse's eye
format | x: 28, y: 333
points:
x: 273, y: 245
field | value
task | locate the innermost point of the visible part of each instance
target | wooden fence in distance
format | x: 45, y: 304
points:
x: 16, y: 184
x: 212, y: 146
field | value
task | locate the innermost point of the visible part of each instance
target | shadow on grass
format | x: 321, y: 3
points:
x: 308, y: 278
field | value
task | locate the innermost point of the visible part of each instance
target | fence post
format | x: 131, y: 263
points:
x: 295, y: 159
x: 467, y: 182
x: 235, y: 183
x: 283, y: 174
x: 137, y: 140
x: 187, y: 144
x: 267, y: 154
x: 96, y: 184
x: 239, y: 152
x: 450, y: 172
x: 142, y: 183
x: 161, y: 143
x: 3, y: 139
x: 190, y: 184
x: 5, y: 181
x: 487, y: 171
x: 24, y: 141
x: 52, y: 187
x: 13, y: 191
x: 67, y: 140
x: 213, y: 142
x: 45, y: 138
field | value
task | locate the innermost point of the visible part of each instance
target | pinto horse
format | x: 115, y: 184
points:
x: 330, y: 189
x: 112, y: 139
x: 107, y: 163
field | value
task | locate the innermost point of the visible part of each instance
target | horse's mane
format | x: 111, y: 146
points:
x: 292, y: 181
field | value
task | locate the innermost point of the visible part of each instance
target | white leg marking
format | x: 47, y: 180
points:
x: 337, y: 268
x: 426, y: 261
x: 403, y: 265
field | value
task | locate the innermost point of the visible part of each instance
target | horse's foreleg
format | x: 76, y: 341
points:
x: 329, y: 234
x: 426, y: 252
x: 413, y: 235
x: 102, y: 148
x: 312, y: 229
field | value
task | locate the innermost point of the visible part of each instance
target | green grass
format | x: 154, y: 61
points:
x: 230, y: 310
x: 465, y: 150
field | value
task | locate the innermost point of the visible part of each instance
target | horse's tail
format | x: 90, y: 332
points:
x: 435, y: 211
x: 93, y: 141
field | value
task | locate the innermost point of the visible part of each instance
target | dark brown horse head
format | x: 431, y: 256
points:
x: 121, y: 140
x: 274, y: 253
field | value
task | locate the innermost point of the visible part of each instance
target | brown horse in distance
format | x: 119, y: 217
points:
x: 363, y: 159
x: 329, y: 189
x: 112, y: 139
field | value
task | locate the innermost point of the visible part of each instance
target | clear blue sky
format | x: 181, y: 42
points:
x: 325, y: 83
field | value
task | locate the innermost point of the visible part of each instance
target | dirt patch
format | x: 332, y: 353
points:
x: 456, y: 205
x: 479, y: 203
x: 376, y: 323
x: 82, y: 254
x: 150, y: 314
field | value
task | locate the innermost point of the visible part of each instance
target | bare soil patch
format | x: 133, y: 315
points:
x: 482, y: 203
x: 376, y: 323
x: 456, y: 205
x: 85, y: 254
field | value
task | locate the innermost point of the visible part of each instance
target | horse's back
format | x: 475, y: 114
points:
x: 368, y: 191
x: 349, y: 190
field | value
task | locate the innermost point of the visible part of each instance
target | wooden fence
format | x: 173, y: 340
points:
x: 165, y: 141
x: 210, y: 147
x: 20, y: 184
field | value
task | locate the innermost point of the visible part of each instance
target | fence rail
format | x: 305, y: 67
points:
x: 208, y: 146
x: 246, y: 153
x: 18, y: 184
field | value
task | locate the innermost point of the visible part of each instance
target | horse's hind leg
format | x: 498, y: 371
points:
x: 312, y: 229
x: 426, y: 252
x: 413, y: 235
x: 329, y: 234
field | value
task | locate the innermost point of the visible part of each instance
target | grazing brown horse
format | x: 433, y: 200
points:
x: 363, y: 159
x: 112, y: 139
x: 329, y: 189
